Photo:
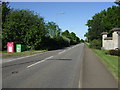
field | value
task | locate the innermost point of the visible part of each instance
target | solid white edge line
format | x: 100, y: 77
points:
x: 39, y: 62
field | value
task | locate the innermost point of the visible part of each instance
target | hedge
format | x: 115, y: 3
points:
x: 95, y: 44
x: 114, y: 52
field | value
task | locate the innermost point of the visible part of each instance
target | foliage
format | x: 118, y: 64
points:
x: 82, y: 40
x: 66, y: 34
x: 5, y: 10
x: 23, y: 26
x: 114, y: 52
x: 28, y: 28
x: 95, y: 44
x: 103, y: 22
x: 117, y: 2
x: 53, y: 29
x: 54, y: 43
x: 71, y: 36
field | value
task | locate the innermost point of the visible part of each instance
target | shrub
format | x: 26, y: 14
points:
x: 114, y: 52
x: 95, y: 44
x: 53, y: 43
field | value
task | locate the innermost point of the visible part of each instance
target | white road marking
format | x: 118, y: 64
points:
x: 48, y: 57
x: 69, y: 48
x: 21, y: 58
x: 33, y: 55
x: 39, y: 62
x: 79, y: 86
x: 61, y: 52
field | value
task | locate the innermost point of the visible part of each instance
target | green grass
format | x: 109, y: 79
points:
x: 111, y: 62
x: 87, y: 44
x: 15, y: 54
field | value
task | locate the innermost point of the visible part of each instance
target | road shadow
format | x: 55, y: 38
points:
x: 61, y: 59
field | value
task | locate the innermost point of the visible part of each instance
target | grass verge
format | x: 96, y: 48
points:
x: 111, y: 62
x: 15, y: 54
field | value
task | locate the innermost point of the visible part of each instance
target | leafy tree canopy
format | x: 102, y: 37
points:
x: 103, y: 22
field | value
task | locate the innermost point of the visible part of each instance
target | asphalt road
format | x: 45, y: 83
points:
x: 52, y: 69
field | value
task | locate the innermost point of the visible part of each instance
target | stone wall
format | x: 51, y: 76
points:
x: 119, y: 40
x: 103, y: 41
x: 113, y: 42
x: 115, y: 39
x: 108, y: 44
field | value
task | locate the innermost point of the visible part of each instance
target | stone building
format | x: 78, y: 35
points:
x: 113, y: 42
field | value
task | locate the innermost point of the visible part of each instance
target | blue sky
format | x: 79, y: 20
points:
x: 70, y: 16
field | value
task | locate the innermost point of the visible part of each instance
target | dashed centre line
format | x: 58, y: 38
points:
x: 39, y: 62
x: 61, y: 52
x: 48, y: 58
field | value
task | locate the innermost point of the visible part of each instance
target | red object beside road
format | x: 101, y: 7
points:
x: 10, y: 47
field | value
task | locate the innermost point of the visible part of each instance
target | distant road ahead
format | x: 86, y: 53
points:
x: 52, y: 69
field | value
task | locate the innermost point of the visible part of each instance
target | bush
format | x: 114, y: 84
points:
x: 53, y: 43
x: 95, y: 44
x: 114, y: 52
x: 66, y: 41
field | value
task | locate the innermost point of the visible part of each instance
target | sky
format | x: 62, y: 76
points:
x: 70, y: 16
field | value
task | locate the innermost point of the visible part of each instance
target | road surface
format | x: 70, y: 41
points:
x: 95, y: 73
x: 73, y: 67
x: 52, y: 69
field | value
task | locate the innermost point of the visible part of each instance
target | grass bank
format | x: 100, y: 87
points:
x: 16, y: 54
x: 111, y: 62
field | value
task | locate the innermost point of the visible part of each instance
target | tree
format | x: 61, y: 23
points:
x: 71, y: 36
x: 53, y: 29
x: 103, y: 22
x: 5, y: 10
x: 77, y: 39
x: 65, y: 33
x: 96, y: 43
x: 82, y: 41
x: 23, y: 26
x: 28, y: 28
x: 117, y: 2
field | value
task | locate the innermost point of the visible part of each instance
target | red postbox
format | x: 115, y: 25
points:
x: 10, y: 46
